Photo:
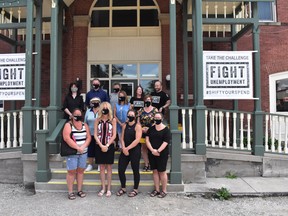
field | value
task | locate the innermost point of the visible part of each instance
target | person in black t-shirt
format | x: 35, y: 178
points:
x: 160, y: 99
x: 137, y: 101
x: 157, y: 139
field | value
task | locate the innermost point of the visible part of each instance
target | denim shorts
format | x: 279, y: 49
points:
x: 76, y: 161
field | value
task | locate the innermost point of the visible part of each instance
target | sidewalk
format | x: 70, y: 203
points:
x: 245, y: 186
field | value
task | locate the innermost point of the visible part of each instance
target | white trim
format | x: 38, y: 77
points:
x: 272, y: 89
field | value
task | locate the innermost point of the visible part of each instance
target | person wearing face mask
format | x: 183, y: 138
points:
x: 157, y: 139
x: 72, y: 101
x: 90, y: 117
x: 131, y: 152
x: 160, y: 99
x: 105, y: 134
x: 79, y: 140
x: 146, y: 116
x: 96, y: 91
x: 120, y: 112
x: 114, y: 94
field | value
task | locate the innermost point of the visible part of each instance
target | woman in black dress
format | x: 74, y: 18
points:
x: 105, y: 134
x: 131, y: 152
x: 72, y: 101
x: 157, y: 139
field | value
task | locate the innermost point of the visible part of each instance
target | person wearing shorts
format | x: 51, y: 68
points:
x: 79, y: 140
x: 157, y: 139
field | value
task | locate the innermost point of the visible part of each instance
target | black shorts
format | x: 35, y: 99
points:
x: 158, y: 162
x: 91, y: 148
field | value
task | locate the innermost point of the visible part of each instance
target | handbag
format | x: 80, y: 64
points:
x: 65, y: 149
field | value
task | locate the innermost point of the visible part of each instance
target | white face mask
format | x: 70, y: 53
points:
x: 74, y: 89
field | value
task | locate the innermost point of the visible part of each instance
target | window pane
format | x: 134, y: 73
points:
x: 282, y: 95
x: 100, y: 18
x: 148, y: 86
x: 124, y: 70
x: 105, y: 85
x: 147, y: 3
x: 149, y: 70
x: 102, y: 3
x: 99, y: 71
x: 122, y: 18
x: 124, y: 2
x: 265, y: 11
x: 149, y: 17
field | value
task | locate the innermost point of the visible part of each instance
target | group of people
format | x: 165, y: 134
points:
x: 111, y: 123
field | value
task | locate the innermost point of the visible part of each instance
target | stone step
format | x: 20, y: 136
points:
x: 60, y: 173
x: 93, y: 185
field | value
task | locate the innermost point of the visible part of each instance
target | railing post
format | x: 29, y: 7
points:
x: 43, y: 173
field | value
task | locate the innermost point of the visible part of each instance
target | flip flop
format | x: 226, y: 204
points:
x: 71, y: 196
x: 108, y: 193
x: 81, y: 194
x: 162, y: 194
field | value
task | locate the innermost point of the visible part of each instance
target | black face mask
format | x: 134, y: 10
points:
x: 96, y: 86
x: 105, y: 111
x: 121, y: 98
x: 157, y: 121
x: 147, y: 103
x: 95, y: 105
x: 77, y: 118
x: 116, y: 90
x: 131, y: 118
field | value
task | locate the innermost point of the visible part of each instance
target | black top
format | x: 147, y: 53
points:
x: 137, y: 103
x: 129, y: 134
x: 159, y: 99
x: 156, y: 138
x: 71, y: 103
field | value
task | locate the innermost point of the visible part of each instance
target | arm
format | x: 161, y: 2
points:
x: 88, y: 137
x: 67, y: 137
x: 115, y: 116
x: 96, y: 133
x: 113, y: 133
x: 149, y: 146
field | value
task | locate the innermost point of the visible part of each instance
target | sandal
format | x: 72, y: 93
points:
x: 133, y: 193
x: 101, y: 193
x: 154, y: 193
x: 146, y: 168
x: 71, y: 196
x: 81, y: 194
x: 162, y: 194
x: 121, y: 192
x: 108, y: 193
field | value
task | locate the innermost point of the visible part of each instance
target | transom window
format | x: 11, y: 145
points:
x: 124, y: 13
x: 129, y: 75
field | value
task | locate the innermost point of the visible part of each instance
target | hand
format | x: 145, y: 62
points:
x: 80, y: 150
x: 125, y: 151
x: 155, y: 152
x: 160, y: 109
x: 104, y: 148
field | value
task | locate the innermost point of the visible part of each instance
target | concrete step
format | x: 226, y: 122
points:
x: 60, y: 173
x: 93, y: 185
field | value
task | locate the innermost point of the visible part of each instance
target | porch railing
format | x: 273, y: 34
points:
x: 11, y: 127
x: 226, y: 129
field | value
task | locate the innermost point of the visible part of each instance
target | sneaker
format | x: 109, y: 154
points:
x: 89, y: 168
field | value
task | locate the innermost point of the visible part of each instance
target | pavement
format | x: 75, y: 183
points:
x: 242, y: 186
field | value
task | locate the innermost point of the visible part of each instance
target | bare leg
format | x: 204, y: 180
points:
x: 109, y: 176
x: 90, y: 160
x: 145, y: 154
x: 80, y: 176
x: 102, y: 176
x: 156, y: 180
x: 164, y: 180
x: 70, y: 178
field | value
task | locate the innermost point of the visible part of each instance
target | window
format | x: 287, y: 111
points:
x: 266, y: 11
x: 124, y: 13
x: 131, y: 75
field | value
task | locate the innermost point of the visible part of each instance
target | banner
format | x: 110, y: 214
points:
x: 12, y: 76
x: 227, y: 75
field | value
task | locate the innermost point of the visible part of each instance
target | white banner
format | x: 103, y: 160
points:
x: 12, y: 76
x: 227, y: 75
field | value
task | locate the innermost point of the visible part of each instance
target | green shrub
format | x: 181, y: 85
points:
x: 222, y: 194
